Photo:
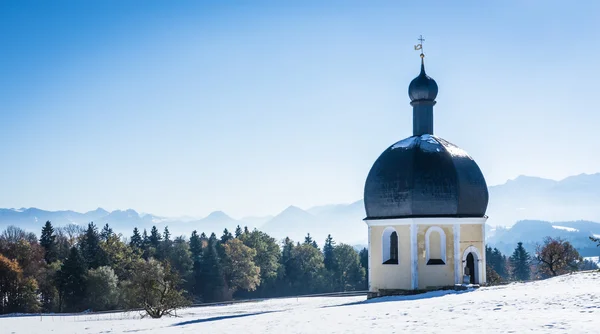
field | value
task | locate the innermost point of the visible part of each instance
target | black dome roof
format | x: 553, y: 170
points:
x: 423, y: 87
x: 425, y: 176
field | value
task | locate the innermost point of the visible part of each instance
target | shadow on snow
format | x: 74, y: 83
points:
x: 419, y: 296
x: 224, y: 317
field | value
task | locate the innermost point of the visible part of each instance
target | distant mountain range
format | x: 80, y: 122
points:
x: 524, y: 198
x: 532, y: 232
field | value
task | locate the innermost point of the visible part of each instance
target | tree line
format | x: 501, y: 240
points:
x: 74, y: 269
x: 554, y: 256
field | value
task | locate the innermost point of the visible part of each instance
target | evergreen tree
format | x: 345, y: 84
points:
x: 90, y: 247
x: 212, y: 273
x: 308, y: 239
x: 154, y: 238
x: 364, y: 262
x: 180, y: 258
x: 48, y: 242
x: 328, y: 252
x: 520, y: 260
x: 500, y: 263
x: 106, y: 232
x: 136, y: 240
x: 195, y: 246
x: 314, y: 244
x: 165, y: 247
x: 246, y: 231
x: 226, y: 236
x: 145, y: 239
x: 238, y: 231
x: 196, y: 255
x: 71, y: 282
x: 146, y: 253
x: 166, y: 234
x: 286, y: 255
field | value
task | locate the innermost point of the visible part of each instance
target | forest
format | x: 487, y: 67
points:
x: 75, y: 269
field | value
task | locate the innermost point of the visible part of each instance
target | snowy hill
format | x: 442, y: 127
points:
x: 564, y: 304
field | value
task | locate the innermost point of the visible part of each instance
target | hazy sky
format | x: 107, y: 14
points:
x: 182, y: 108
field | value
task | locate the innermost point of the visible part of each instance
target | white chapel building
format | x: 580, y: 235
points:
x: 425, y: 200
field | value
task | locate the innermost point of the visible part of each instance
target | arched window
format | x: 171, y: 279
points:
x: 435, y: 246
x: 389, y: 242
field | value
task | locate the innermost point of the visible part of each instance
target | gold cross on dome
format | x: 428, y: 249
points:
x: 420, y: 45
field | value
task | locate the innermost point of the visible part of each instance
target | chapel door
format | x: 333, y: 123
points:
x: 471, y: 266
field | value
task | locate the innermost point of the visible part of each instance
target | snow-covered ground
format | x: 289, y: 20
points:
x: 565, y: 304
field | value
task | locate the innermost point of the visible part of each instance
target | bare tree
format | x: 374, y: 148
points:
x: 557, y: 257
x: 72, y: 232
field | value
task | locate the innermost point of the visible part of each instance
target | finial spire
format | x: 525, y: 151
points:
x: 420, y: 46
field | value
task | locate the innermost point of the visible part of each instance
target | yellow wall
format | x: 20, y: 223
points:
x: 431, y: 276
x: 472, y: 235
x: 390, y: 276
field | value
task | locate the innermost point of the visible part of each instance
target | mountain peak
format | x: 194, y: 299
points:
x: 217, y: 217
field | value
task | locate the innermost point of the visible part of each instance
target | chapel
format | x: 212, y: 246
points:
x: 425, y: 201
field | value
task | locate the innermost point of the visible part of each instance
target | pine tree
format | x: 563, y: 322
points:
x: 90, y: 247
x: 212, y: 273
x: 286, y: 255
x: 146, y: 253
x: 499, y: 263
x: 106, y: 232
x: 48, y: 241
x: 71, y: 282
x: 238, y: 231
x: 195, y: 246
x: 308, y: 239
x: 364, y: 262
x: 145, y: 239
x: 246, y: 231
x: 154, y: 238
x: 328, y: 259
x: 166, y: 234
x: 226, y: 236
x: 520, y: 261
x: 165, y: 247
x: 136, y: 239
x: 196, y: 254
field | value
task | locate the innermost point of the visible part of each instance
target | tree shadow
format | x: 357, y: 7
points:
x: 419, y: 296
x: 224, y: 317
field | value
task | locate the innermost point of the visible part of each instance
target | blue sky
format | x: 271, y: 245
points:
x: 182, y: 108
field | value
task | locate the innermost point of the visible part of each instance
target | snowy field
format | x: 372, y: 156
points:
x: 565, y: 304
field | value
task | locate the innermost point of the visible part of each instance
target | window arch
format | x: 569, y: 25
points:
x: 389, y: 242
x: 435, y: 246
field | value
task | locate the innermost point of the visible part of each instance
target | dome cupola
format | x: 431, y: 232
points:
x: 424, y: 175
x: 423, y: 87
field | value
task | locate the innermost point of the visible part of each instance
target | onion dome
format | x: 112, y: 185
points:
x: 423, y: 87
x: 425, y: 176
